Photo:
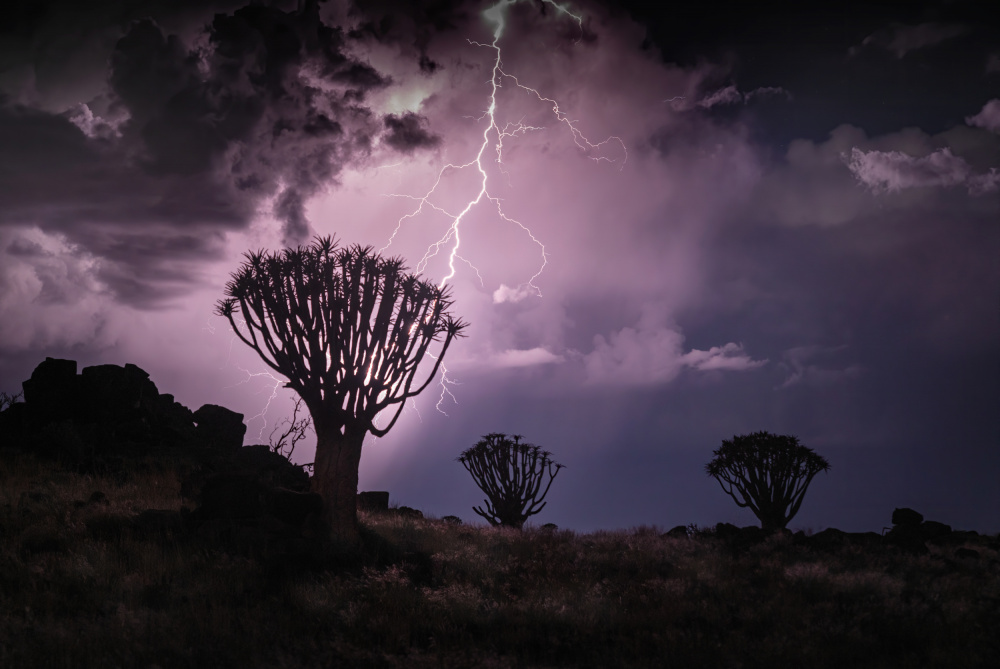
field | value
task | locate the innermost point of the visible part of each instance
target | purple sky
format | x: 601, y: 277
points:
x: 704, y: 222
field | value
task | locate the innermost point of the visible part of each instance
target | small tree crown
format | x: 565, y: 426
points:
x: 511, y: 473
x: 767, y: 473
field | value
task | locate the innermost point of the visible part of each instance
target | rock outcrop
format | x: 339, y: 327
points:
x: 112, y: 410
x: 375, y: 501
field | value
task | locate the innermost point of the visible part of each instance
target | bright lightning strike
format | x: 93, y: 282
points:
x: 494, y: 135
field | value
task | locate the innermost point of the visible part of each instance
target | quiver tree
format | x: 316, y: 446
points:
x: 766, y: 472
x: 348, y: 329
x: 511, y: 474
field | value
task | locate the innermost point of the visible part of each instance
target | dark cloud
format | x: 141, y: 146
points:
x: 411, y: 25
x: 202, y: 118
x: 406, y: 133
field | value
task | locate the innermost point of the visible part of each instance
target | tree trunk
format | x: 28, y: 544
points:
x: 772, y: 520
x: 335, y: 478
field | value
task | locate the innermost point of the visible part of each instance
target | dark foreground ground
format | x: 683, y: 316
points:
x: 85, y: 583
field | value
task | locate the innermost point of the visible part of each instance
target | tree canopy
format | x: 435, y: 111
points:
x: 767, y: 473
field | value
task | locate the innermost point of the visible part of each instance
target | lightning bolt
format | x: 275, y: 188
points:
x: 262, y: 414
x: 494, y: 135
x: 250, y: 376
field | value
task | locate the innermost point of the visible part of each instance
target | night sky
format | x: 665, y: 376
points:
x: 698, y: 222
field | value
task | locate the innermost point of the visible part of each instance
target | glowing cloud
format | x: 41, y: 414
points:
x: 889, y: 171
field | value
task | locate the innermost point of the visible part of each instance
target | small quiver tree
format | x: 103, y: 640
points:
x: 348, y: 329
x: 768, y: 473
x: 511, y: 474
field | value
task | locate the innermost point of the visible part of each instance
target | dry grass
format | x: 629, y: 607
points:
x: 80, y: 587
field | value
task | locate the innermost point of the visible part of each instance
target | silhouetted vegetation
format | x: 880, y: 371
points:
x: 348, y: 329
x: 511, y: 473
x: 7, y: 400
x: 766, y: 472
x: 89, y: 577
x: 290, y: 431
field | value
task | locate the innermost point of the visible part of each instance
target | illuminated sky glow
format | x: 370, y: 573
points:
x: 665, y: 227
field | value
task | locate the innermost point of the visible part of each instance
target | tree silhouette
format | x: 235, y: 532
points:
x: 766, y: 472
x: 511, y: 474
x: 348, y: 329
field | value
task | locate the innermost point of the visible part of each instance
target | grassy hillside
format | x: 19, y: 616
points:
x: 87, y: 581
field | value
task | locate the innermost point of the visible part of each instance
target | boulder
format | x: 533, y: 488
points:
x: 373, y: 501
x: 270, y: 468
x: 219, y: 428
x: 52, y: 391
x: 408, y: 512
x: 934, y: 531
x: 115, y: 395
x: 906, y: 517
x: 679, y: 532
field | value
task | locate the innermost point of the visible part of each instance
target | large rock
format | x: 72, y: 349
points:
x: 112, y: 394
x: 220, y: 428
x: 108, y: 411
x: 52, y: 392
x: 934, y: 531
x: 376, y: 501
x: 270, y: 468
x: 907, y: 517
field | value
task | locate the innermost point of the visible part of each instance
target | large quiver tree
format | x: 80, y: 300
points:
x: 767, y: 473
x: 511, y: 473
x: 348, y: 329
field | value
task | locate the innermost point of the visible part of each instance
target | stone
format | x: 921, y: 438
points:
x: 271, y: 468
x: 679, y: 532
x: 906, y: 517
x: 52, y: 390
x: 408, y: 512
x: 219, y: 428
x: 376, y: 501
x: 966, y: 554
x: 111, y: 394
x: 934, y: 531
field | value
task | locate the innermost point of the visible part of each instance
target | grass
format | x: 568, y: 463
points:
x: 81, y: 585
